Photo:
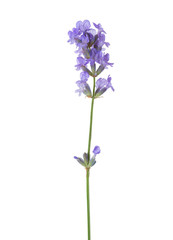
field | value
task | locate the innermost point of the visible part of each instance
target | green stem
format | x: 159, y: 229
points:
x: 88, y: 202
x: 91, y: 119
x: 87, y: 169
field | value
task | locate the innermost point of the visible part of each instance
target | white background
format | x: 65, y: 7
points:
x: 43, y: 123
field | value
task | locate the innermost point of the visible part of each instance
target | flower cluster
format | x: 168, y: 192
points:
x: 85, y: 161
x: 90, y: 43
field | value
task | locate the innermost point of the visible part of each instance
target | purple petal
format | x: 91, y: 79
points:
x: 78, y: 24
x: 100, y: 82
x: 84, y: 76
x: 96, y: 150
x: 109, y: 84
x: 86, y: 24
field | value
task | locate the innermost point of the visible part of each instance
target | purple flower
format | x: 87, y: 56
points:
x: 102, y: 85
x: 84, y: 76
x: 83, y: 26
x: 81, y: 62
x: 83, y: 86
x: 104, y: 60
x: 99, y: 27
x: 85, y: 40
x: 109, y: 84
x: 104, y: 63
x: 90, y: 45
x: 94, y: 56
x: 101, y: 41
x: 73, y: 35
x: 96, y: 150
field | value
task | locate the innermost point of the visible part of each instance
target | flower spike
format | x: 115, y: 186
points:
x: 90, y: 44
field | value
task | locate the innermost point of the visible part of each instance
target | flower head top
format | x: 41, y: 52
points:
x: 90, y: 43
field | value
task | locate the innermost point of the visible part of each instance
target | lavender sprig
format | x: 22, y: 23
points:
x: 91, y: 60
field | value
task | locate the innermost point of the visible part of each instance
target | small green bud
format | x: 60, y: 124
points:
x: 99, y: 92
x: 87, y: 70
x: 100, y: 69
x: 93, y: 68
x: 92, y: 161
x: 85, y: 157
x: 87, y: 91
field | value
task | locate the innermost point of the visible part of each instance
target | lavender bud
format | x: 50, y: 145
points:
x: 85, y: 157
x: 86, y: 53
x: 96, y: 150
x: 100, y: 69
x: 87, y: 91
x: 87, y: 70
x: 99, y: 92
x: 93, y: 68
x: 80, y: 160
